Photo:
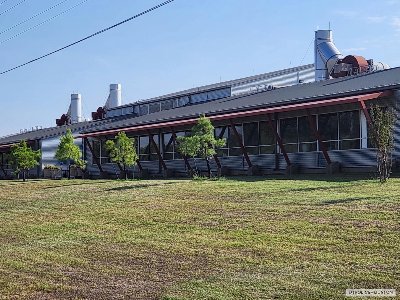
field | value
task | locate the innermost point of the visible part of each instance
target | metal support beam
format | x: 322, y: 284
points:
x: 185, y: 158
x: 157, y: 150
x: 279, y: 140
x: 96, y: 159
x: 366, y: 112
x: 244, y: 151
x: 367, y: 115
x: 313, y: 126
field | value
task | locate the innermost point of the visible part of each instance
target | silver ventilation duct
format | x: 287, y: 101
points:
x: 326, y: 54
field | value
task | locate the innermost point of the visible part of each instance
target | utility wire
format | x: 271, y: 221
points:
x: 2, y: 2
x: 32, y: 17
x: 89, y: 36
x: 41, y: 23
x: 12, y: 7
x: 308, y: 49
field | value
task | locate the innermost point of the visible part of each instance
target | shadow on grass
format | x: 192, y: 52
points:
x: 342, y: 201
x: 67, y: 183
x: 137, y: 186
x: 313, y: 177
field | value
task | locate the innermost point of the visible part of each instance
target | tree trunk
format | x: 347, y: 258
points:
x: 208, y: 168
x: 126, y: 173
x: 69, y: 171
x: 24, y: 175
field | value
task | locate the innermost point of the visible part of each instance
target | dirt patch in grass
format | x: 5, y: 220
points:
x: 124, y: 275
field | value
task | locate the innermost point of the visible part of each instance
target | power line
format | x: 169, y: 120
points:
x: 12, y: 7
x: 89, y: 36
x: 34, y: 16
x: 308, y: 49
x: 41, y: 23
x: 2, y: 2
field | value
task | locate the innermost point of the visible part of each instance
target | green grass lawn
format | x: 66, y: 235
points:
x: 178, y: 239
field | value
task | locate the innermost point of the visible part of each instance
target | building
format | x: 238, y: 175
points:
x: 311, y: 118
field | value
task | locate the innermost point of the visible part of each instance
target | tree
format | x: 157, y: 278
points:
x: 122, y: 151
x: 383, y: 120
x: 201, y: 143
x: 24, y: 158
x: 68, y: 151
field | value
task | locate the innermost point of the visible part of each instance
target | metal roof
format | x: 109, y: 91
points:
x: 223, y: 84
x: 346, y: 86
x: 334, y: 88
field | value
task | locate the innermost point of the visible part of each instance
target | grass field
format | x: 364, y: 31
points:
x: 179, y: 239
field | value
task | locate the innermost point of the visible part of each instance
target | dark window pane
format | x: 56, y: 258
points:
x: 181, y: 101
x: 168, y: 156
x: 328, y: 126
x: 153, y: 149
x: 144, y: 109
x: 267, y: 149
x: 307, y: 147
x: 250, y: 132
x: 235, y: 152
x: 331, y: 145
x: 105, y: 160
x: 306, y: 134
x: 144, y: 145
x: 154, y: 107
x: 96, y: 149
x: 288, y: 130
x: 168, y: 142
x: 154, y: 157
x: 233, y: 140
x: 349, y: 125
x: 267, y: 137
x: 221, y: 132
x: 144, y: 157
x: 290, y: 148
x: 222, y: 152
x: 350, y: 144
x: 167, y: 104
x: 252, y: 150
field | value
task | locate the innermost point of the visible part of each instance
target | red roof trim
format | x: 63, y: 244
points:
x: 248, y: 113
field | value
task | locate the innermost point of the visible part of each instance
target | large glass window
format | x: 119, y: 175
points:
x: 267, y: 139
x: 307, y: 142
x: 251, y: 137
x: 288, y: 131
x: 328, y: 129
x: 222, y: 133
x: 104, y: 157
x: 349, y: 130
x: 168, y: 146
x: 144, y: 149
x: 234, y: 141
x: 96, y: 150
x: 340, y: 130
x: 177, y: 155
x: 154, y: 146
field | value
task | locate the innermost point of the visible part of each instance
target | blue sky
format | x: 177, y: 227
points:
x: 185, y: 44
